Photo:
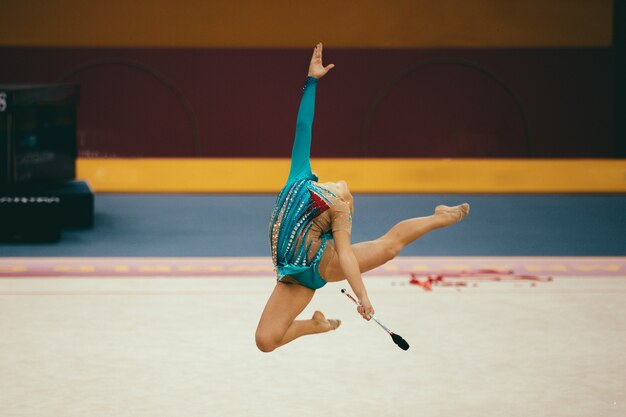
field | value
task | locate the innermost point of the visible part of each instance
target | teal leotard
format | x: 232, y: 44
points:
x: 298, y: 203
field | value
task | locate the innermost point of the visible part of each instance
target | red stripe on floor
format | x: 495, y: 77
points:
x: 262, y: 266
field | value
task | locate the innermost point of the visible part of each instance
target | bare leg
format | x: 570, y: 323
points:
x: 278, y: 324
x: 317, y: 324
x: 377, y: 252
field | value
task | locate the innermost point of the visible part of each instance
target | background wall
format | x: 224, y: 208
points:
x: 375, y: 103
x: 279, y: 23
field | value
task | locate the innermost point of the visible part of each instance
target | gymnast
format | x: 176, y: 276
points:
x: 310, y: 237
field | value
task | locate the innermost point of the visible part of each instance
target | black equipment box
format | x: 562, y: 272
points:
x: 30, y: 219
x: 39, y: 214
x: 37, y: 133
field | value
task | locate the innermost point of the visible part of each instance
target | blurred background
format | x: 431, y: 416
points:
x: 426, y: 79
x: 486, y: 98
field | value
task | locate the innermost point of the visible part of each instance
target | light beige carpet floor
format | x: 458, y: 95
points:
x: 184, y: 347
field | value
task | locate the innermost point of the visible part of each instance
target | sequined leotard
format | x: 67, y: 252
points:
x: 305, y: 213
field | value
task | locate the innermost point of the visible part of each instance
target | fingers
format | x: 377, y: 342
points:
x: 366, y: 313
x: 317, y: 51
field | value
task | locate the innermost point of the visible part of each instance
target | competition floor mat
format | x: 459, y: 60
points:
x: 175, y: 337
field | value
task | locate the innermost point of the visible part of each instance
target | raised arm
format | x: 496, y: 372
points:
x: 301, y: 152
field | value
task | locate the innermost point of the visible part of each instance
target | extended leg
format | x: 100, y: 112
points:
x: 377, y: 252
x: 278, y: 324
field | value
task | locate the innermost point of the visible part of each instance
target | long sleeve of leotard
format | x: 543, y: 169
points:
x: 301, y: 152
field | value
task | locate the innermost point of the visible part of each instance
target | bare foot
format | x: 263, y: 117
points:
x: 326, y: 325
x: 451, y: 215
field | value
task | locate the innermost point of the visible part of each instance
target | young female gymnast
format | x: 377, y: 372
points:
x: 310, y: 237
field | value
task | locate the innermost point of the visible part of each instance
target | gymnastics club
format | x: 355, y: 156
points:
x: 397, y: 339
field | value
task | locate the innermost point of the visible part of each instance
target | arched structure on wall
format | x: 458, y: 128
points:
x: 393, y: 83
x: 162, y: 79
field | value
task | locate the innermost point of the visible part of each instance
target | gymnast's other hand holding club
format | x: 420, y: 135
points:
x: 365, y: 309
x: 350, y: 267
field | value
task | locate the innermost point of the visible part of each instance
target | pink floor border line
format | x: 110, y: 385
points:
x: 261, y: 266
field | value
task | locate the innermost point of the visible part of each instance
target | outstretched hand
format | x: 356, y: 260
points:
x: 316, y: 68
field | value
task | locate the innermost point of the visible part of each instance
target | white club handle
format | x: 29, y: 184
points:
x: 372, y: 316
